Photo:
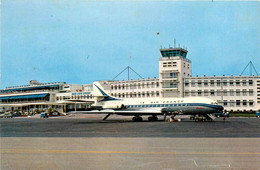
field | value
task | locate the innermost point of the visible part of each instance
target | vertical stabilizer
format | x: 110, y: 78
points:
x: 98, y: 91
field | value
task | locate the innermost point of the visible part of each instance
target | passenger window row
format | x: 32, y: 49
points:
x: 156, y: 105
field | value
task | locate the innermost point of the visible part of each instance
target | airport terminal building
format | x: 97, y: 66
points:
x: 57, y: 95
x: 235, y: 93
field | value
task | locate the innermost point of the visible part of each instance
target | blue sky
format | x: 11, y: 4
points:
x: 84, y: 41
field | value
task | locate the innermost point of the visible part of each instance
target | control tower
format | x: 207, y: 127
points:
x: 173, y: 67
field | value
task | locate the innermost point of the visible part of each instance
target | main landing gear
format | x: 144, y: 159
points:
x: 140, y: 119
x: 152, y: 118
x: 137, y: 119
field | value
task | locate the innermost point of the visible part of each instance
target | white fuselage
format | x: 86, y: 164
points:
x: 117, y: 103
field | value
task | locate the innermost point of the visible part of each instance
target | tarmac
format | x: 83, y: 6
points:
x: 88, y: 142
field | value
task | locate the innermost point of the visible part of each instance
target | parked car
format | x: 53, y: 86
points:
x: 44, y: 115
x: 257, y: 114
x: 221, y: 114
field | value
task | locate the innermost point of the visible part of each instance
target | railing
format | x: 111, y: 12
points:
x: 22, y: 102
x: 31, y: 91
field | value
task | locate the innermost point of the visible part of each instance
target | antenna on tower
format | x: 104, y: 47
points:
x: 128, y: 68
x: 251, y: 66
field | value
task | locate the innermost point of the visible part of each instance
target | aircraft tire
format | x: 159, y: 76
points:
x: 139, y: 119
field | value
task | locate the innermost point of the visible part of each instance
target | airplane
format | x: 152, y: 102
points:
x: 199, y: 108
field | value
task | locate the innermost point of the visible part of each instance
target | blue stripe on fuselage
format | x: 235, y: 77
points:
x: 218, y: 107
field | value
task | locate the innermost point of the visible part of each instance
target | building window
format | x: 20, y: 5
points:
x: 186, y: 93
x: 199, y: 83
x: 250, y: 82
x: 157, y: 84
x: 225, y: 92
x: 238, y: 102
x: 218, y: 82
x: 244, y: 82
x: 212, y: 83
x: 238, y: 82
x: 224, y: 82
x: 218, y: 93
x: 231, y: 92
x: 186, y: 83
x: 225, y: 102
x: 205, y: 82
x: 244, y: 92
x: 237, y: 92
x: 251, y: 103
x: 173, y: 85
x: 212, y: 92
x: 251, y: 92
x: 157, y: 94
x: 206, y: 92
x: 231, y: 82
x: 232, y: 103
x: 193, y: 93
x: 199, y: 92
x: 244, y: 102
x: 173, y: 75
x: 193, y: 83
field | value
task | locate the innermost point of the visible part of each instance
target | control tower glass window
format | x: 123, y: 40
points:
x: 173, y: 52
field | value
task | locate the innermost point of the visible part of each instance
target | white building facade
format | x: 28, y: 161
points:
x: 235, y: 93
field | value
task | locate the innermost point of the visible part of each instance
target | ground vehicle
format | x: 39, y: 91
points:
x: 221, y: 114
x: 257, y: 114
x: 44, y: 115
